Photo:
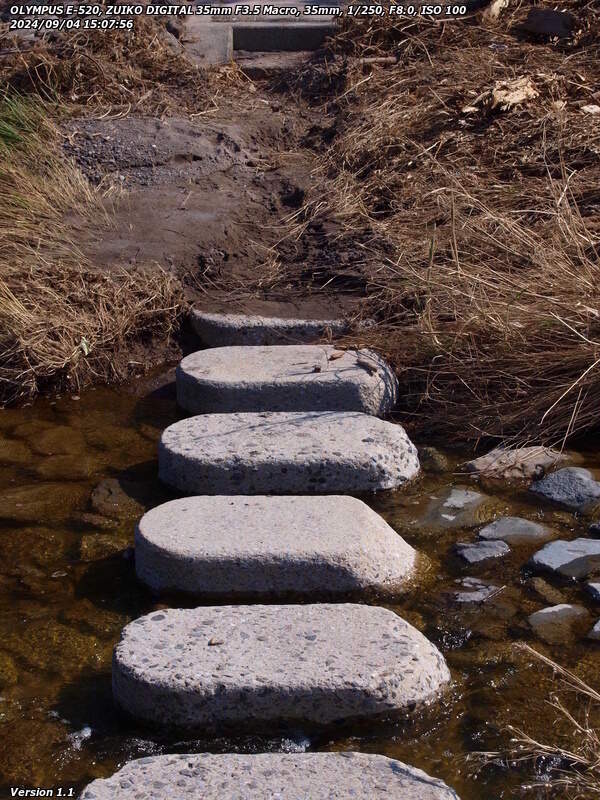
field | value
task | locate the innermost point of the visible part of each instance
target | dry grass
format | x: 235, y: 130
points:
x: 477, y: 225
x: 570, y: 762
x: 61, y: 323
x: 117, y: 72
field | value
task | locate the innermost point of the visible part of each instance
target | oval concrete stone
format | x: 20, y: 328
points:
x: 269, y: 776
x: 270, y: 545
x: 221, y: 330
x: 288, y: 378
x: 192, y: 668
x: 285, y: 453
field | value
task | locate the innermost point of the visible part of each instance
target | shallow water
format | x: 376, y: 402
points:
x: 67, y: 587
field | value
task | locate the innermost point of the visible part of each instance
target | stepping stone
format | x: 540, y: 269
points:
x: 573, y: 487
x: 477, y: 552
x: 233, y: 665
x: 220, y: 330
x: 285, y: 776
x: 576, y: 559
x: 289, y: 378
x: 514, y: 530
x: 270, y: 545
x: 285, y: 453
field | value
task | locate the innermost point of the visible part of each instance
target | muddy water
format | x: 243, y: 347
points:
x: 67, y: 587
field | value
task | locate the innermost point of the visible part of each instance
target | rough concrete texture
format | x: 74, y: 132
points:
x: 281, y: 36
x: 223, y: 330
x: 268, y: 545
x: 514, y: 530
x: 572, y: 487
x: 289, y: 378
x: 269, y: 776
x: 267, y: 664
x: 285, y: 453
x: 576, y: 559
x: 206, y: 43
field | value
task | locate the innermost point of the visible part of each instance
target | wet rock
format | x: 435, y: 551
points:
x: 302, y: 545
x: 287, y: 378
x: 573, y: 487
x: 41, y: 502
x: 475, y: 591
x: 305, y: 663
x: 593, y: 589
x: 547, y: 592
x: 318, y: 776
x: 458, y: 508
x: 285, y: 453
x: 575, y: 559
x: 67, y: 467
x: 549, y: 24
x: 559, y: 624
x: 93, y: 521
x: 518, y: 465
x: 515, y: 531
x: 14, y: 451
x: 101, y: 622
x: 116, y: 499
x: 8, y: 671
x: 96, y: 546
x: 433, y: 460
x: 42, y: 547
x: 26, y: 753
x: 594, y: 634
x: 594, y: 529
x: 59, y: 440
x: 475, y: 553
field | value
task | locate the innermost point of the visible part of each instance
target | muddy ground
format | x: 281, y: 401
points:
x: 209, y: 198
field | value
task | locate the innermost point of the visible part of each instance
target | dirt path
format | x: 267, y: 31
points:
x: 205, y: 197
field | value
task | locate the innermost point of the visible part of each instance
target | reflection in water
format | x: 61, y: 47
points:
x: 76, y: 474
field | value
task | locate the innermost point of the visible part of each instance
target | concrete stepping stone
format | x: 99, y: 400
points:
x: 575, y: 559
x: 227, y: 546
x: 221, y: 665
x: 289, y: 378
x: 221, y: 330
x: 285, y: 776
x: 285, y: 453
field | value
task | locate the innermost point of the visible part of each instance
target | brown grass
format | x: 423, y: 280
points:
x: 477, y: 226
x: 62, y: 324
x: 570, y: 760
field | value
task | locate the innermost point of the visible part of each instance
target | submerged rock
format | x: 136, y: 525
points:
x: 559, y: 624
x: 96, y: 546
x: 573, y: 487
x: 547, y: 592
x: 8, y: 671
x: 518, y: 465
x: 475, y: 591
x: 117, y: 499
x: 13, y: 451
x: 459, y: 508
x: 59, y: 440
x: 41, y: 502
x: 575, y: 559
x: 475, y: 553
x: 514, y: 530
x: 433, y: 460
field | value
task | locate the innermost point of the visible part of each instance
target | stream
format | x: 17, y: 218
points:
x: 77, y: 471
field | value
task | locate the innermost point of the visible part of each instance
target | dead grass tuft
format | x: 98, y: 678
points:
x: 62, y: 324
x: 465, y: 178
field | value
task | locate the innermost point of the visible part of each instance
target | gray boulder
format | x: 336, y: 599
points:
x: 559, y: 624
x: 572, y: 487
x: 476, y: 552
x: 514, y: 530
x: 575, y: 559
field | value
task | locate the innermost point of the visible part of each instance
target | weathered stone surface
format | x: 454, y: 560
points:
x: 268, y: 545
x: 289, y: 378
x: 285, y: 453
x: 519, y: 464
x: 576, y: 559
x: 593, y: 589
x: 264, y: 664
x: 475, y: 591
x: 558, y: 624
x: 514, y: 530
x: 476, y: 552
x: 269, y: 776
x: 572, y: 487
x: 221, y: 330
